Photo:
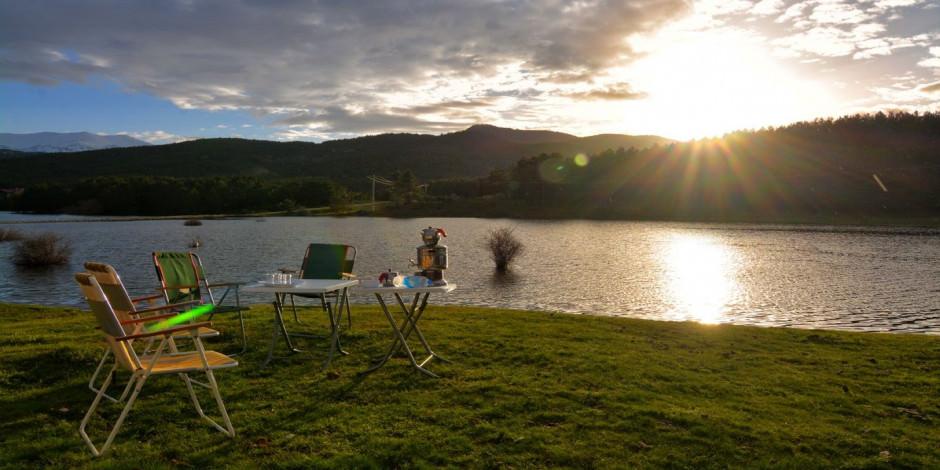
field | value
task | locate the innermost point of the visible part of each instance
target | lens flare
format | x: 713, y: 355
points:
x: 182, y: 317
x: 553, y: 170
x: 581, y: 159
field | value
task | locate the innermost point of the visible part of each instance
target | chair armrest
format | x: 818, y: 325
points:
x: 166, y: 307
x: 227, y: 284
x: 166, y: 332
x: 348, y: 275
x: 147, y: 297
x: 146, y: 319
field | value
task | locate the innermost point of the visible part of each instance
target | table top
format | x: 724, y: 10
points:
x: 405, y: 290
x: 301, y: 286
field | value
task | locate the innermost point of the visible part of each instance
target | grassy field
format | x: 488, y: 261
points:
x: 525, y: 389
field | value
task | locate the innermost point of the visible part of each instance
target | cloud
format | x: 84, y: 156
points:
x: 792, y: 12
x: 835, y: 12
x: 349, y: 62
x: 828, y: 41
x: 932, y: 88
x: 158, y: 137
x: 340, y: 120
x: 882, y: 5
x: 619, y: 91
x: 768, y: 7
x: 933, y: 61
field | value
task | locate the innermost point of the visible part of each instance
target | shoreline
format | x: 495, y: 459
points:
x: 822, y: 329
x: 926, y: 223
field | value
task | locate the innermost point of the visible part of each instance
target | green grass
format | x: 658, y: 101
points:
x: 525, y: 389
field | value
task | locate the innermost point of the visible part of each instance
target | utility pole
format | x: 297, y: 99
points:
x: 379, y: 180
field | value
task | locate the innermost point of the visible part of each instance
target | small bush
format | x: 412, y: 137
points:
x: 10, y: 235
x: 46, y: 249
x: 504, y: 247
x: 192, y: 223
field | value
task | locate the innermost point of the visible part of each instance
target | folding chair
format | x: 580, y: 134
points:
x: 126, y: 309
x: 327, y: 261
x: 161, y: 361
x: 183, y: 278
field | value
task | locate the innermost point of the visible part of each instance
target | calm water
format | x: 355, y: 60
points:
x: 860, y: 279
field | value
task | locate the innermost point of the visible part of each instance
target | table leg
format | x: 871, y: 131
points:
x: 396, y: 344
x: 335, y: 345
x: 279, y: 325
x: 413, y: 327
x: 279, y: 313
x: 400, y: 340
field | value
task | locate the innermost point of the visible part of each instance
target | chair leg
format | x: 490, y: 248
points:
x: 241, y: 321
x: 192, y: 394
x: 348, y: 310
x: 294, y: 308
x: 139, y: 380
x: 91, y: 411
x: 91, y: 383
x: 228, y: 430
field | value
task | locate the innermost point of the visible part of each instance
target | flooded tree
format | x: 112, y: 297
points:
x: 504, y: 247
x: 46, y: 249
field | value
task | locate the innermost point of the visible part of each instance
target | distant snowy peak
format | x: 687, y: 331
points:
x: 65, y: 142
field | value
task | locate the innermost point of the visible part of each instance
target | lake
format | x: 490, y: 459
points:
x: 872, y: 279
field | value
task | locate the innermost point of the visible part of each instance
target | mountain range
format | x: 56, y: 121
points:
x: 472, y: 152
x: 65, y: 142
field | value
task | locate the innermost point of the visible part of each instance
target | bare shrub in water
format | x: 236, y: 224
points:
x: 10, y: 235
x: 504, y: 247
x: 46, y: 249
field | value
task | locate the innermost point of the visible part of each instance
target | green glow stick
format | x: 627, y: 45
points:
x: 182, y: 317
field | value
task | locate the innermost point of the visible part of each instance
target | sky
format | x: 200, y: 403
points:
x: 317, y: 70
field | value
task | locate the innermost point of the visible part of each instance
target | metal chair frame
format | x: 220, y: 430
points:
x: 202, y: 282
x: 126, y: 309
x: 142, y: 367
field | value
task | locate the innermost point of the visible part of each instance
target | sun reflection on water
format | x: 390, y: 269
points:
x: 699, y: 277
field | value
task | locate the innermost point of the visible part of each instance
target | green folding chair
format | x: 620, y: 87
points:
x: 183, y: 278
x: 165, y: 359
x: 327, y: 261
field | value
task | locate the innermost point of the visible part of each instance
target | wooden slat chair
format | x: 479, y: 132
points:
x: 126, y: 308
x: 162, y: 361
x: 327, y: 261
x: 183, y: 279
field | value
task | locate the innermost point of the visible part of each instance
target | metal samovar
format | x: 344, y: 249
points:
x: 432, y: 257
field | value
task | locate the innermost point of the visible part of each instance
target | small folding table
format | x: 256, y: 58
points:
x: 304, y: 286
x: 410, y: 323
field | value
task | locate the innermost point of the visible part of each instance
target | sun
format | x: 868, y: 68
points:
x: 706, y: 83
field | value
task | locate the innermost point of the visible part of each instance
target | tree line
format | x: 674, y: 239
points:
x: 159, y: 195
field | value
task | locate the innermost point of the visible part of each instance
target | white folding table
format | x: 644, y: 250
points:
x: 304, y: 286
x: 410, y: 324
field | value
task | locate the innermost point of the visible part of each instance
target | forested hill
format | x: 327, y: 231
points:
x: 875, y: 165
x: 472, y: 152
